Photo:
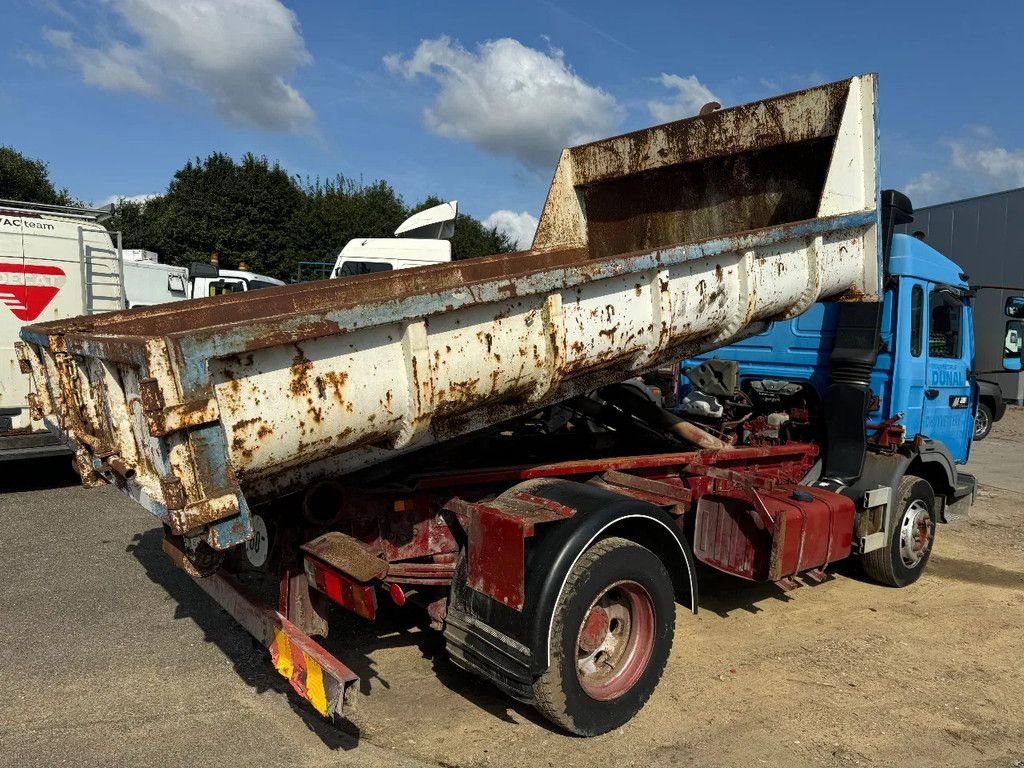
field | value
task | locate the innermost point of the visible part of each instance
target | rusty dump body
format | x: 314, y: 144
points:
x: 652, y: 246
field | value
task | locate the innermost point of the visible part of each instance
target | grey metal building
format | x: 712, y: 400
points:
x: 985, y: 236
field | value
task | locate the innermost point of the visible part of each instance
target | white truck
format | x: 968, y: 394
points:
x: 58, y: 262
x: 419, y: 241
x: 55, y: 262
x: 148, y: 282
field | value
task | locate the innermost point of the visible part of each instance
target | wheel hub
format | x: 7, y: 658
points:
x: 595, y: 629
x: 980, y: 422
x: 915, y: 533
x: 615, y: 640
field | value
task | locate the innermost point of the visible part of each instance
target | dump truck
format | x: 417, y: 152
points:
x: 457, y: 437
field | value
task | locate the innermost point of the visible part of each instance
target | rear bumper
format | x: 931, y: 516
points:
x: 313, y: 673
x: 30, y: 445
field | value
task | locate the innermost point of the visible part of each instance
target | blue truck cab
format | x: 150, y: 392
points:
x: 921, y: 386
x: 925, y: 359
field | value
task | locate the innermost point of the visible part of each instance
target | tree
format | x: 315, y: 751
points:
x: 22, y: 178
x: 253, y: 211
x: 341, y: 209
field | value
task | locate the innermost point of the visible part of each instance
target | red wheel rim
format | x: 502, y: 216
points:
x: 615, y: 640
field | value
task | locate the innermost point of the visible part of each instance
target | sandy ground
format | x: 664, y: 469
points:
x: 113, y: 657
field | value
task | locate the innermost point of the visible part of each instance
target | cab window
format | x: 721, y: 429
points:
x: 946, y: 325
x: 916, y: 319
x: 353, y: 268
x: 220, y: 287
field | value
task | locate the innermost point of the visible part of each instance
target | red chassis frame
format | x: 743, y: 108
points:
x: 402, y: 533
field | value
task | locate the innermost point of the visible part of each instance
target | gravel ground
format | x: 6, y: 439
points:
x: 113, y: 657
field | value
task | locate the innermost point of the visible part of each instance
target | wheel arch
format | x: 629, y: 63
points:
x: 600, y: 514
x: 937, y: 467
x: 933, y: 464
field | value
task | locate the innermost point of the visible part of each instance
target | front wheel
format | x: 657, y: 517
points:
x: 610, y: 638
x: 982, y: 422
x: 903, y: 559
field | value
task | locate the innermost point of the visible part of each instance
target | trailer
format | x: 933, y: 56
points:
x: 458, y: 437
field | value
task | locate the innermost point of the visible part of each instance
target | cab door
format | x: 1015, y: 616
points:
x: 910, y: 370
x: 947, y: 413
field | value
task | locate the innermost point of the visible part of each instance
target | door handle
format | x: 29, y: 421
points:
x: 931, y: 394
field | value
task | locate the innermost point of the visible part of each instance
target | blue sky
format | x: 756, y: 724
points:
x: 472, y: 100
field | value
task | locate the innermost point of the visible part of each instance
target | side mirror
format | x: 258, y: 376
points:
x: 1015, y: 306
x: 1013, y: 346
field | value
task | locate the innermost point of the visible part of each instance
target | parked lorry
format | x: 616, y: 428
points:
x: 991, y: 407
x: 148, y: 282
x: 454, y: 436
x: 55, y: 262
x: 420, y: 240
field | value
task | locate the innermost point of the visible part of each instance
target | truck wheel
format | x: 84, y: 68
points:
x: 901, y: 562
x: 610, y: 638
x: 982, y: 422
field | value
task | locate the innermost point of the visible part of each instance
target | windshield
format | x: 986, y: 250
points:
x: 255, y: 283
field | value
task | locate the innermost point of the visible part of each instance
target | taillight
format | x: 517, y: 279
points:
x: 358, y: 598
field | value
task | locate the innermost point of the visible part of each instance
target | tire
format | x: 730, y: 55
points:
x: 982, y: 422
x: 611, y: 636
x: 904, y: 557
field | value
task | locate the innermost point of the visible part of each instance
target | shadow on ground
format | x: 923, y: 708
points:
x: 37, y: 474
x: 353, y: 640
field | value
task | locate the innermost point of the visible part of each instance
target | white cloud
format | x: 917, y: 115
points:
x: 999, y: 166
x: 690, y: 95
x: 239, y: 53
x: 507, y: 98
x: 119, y: 198
x: 976, y: 164
x: 930, y: 187
x: 519, y: 227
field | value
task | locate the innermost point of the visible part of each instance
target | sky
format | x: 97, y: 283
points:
x: 473, y: 101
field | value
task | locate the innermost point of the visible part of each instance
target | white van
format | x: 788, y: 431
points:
x: 58, y: 262
x: 420, y: 240
x: 148, y: 282
x: 55, y: 262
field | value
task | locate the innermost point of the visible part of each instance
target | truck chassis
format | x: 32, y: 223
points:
x: 474, y: 547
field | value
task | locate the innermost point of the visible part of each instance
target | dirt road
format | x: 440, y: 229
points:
x: 114, y: 657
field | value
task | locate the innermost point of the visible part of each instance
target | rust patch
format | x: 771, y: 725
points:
x: 244, y: 424
x: 299, y: 372
x: 336, y: 381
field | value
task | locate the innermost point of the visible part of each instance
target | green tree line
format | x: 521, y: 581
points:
x: 251, y: 210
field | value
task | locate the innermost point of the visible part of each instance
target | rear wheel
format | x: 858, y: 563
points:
x: 610, y: 639
x: 902, y: 561
x: 982, y: 422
